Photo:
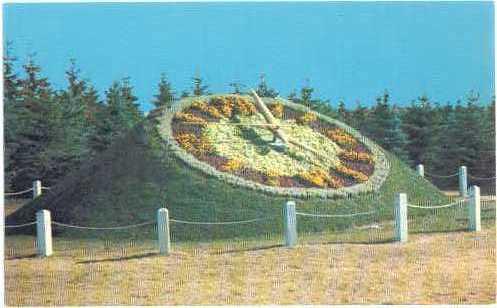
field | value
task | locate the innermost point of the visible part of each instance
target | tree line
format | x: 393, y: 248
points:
x: 49, y: 132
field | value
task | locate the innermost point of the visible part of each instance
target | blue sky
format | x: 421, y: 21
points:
x: 351, y: 51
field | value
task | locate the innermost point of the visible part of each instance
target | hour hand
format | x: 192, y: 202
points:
x: 268, y: 116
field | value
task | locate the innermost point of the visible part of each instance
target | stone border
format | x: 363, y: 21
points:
x: 382, y: 166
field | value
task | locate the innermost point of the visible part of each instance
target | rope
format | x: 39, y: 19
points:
x: 103, y: 228
x: 19, y: 192
x: 441, y: 176
x: 482, y: 179
x: 239, y: 124
x: 337, y: 215
x: 20, y: 226
x: 437, y: 206
x: 217, y: 223
x: 43, y: 187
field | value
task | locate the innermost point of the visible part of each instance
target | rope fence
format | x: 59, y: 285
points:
x: 481, y: 179
x: 21, y: 225
x: 471, y: 198
x: 218, y: 223
x: 18, y: 192
x: 104, y: 228
x: 441, y: 176
x: 438, y: 206
x: 335, y: 215
x: 37, y: 188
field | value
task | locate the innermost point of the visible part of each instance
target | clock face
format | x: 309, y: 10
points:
x: 228, y: 136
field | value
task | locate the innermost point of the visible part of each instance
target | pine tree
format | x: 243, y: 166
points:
x: 36, y: 117
x: 422, y: 127
x: 120, y: 115
x: 237, y: 87
x: 184, y: 94
x: 198, y: 87
x: 359, y: 118
x: 166, y: 95
x: 306, y: 96
x: 395, y: 138
x: 293, y: 97
x: 343, y: 113
x: 263, y: 90
x: 11, y: 127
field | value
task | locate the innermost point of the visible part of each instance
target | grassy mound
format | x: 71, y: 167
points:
x: 138, y: 175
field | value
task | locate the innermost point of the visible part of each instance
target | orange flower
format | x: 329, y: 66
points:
x: 356, y: 175
x: 341, y: 137
x: 356, y: 156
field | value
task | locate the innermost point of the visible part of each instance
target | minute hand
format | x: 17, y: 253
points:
x: 261, y: 106
x: 264, y: 110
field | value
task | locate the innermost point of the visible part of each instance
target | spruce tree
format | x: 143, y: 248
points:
x: 263, y: 90
x: 199, y: 88
x: 422, y: 127
x: 11, y: 128
x: 166, y: 95
x: 237, y: 87
x: 36, y: 117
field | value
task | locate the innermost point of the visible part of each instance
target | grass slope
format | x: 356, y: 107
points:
x: 138, y: 175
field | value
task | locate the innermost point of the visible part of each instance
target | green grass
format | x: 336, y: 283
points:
x: 137, y: 175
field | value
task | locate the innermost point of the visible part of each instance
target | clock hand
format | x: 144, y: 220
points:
x: 268, y: 116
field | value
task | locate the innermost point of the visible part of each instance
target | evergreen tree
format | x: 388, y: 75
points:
x: 198, y: 87
x: 184, y: 94
x: 422, y: 127
x: 385, y: 127
x: 293, y: 96
x: 36, y: 117
x: 237, y: 87
x: 395, y: 138
x: 166, y: 95
x: 11, y: 128
x: 263, y: 90
x: 306, y: 96
x: 359, y: 118
x: 343, y: 113
x: 121, y: 114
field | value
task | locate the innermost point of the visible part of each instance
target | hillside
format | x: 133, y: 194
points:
x: 138, y: 175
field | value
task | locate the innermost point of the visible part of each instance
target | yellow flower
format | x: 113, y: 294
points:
x: 306, y: 118
x: 317, y: 177
x: 232, y: 165
x: 188, y: 117
x: 277, y: 110
x: 194, y: 145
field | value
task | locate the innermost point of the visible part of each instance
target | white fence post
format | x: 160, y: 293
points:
x: 290, y: 224
x: 420, y: 169
x: 36, y: 188
x: 463, y: 181
x: 474, y: 209
x: 163, y: 231
x: 44, y: 233
x: 401, y: 218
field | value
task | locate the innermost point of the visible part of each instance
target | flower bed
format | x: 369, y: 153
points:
x: 225, y: 136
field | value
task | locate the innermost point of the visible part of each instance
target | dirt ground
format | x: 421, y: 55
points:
x: 437, y: 268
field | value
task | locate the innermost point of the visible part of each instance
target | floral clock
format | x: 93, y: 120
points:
x: 272, y: 145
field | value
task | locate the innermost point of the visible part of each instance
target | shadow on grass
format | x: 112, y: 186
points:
x: 358, y: 242
x: 28, y: 256
x: 461, y: 229
x: 247, y: 249
x: 122, y: 258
